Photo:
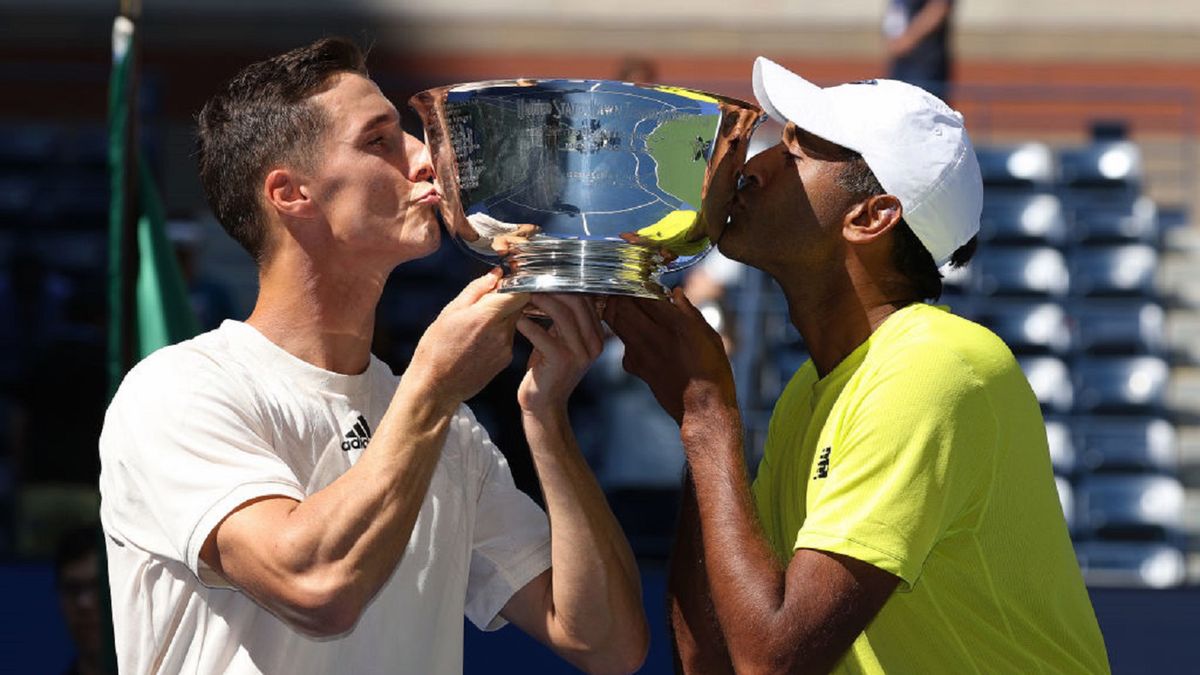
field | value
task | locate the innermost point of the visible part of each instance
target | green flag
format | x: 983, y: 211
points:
x: 147, y: 301
x: 149, y: 310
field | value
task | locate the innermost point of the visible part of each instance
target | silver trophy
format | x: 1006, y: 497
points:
x: 585, y: 186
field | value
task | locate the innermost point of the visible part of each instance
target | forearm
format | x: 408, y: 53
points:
x: 931, y: 17
x: 699, y: 646
x: 596, y: 587
x: 746, y: 580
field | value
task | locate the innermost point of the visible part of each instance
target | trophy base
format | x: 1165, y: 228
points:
x: 602, y: 267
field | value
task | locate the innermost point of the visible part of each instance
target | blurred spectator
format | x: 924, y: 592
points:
x: 210, y: 300
x: 918, y: 43
x: 634, y: 68
x: 77, y: 579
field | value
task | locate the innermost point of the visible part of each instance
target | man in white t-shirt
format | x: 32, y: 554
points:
x: 275, y: 500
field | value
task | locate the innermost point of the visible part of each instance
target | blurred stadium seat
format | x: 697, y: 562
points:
x: 1028, y: 271
x: 28, y: 146
x: 17, y: 191
x: 1062, y: 446
x: 1126, y: 443
x: 1011, y: 216
x: 1131, y: 564
x: 1027, y: 327
x: 1118, y: 327
x: 1024, y: 165
x: 1051, y: 382
x: 1114, y: 270
x: 1105, y: 164
x: 1131, y: 384
x: 1104, y: 217
x: 1066, y: 497
x: 1129, y: 506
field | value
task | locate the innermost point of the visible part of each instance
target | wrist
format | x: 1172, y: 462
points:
x: 545, y: 414
x: 706, y: 398
x: 420, y: 393
x: 711, y: 428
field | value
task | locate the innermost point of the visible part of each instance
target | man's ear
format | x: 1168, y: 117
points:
x: 871, y: 218
x: 287, y: 194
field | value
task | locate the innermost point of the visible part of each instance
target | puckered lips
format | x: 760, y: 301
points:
x: 431, y: 198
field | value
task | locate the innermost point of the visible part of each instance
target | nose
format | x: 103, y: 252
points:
x: 420, y: 162
x: 751, y: 174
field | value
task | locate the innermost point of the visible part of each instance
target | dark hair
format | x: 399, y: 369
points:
x: 75, y: 544
x: 909, y: 255
x: 262, y: 117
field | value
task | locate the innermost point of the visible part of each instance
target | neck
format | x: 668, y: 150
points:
x: 837, y: 315
x: 319, y: 311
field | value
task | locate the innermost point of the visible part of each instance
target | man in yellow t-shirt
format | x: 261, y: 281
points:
x: 904, y: 518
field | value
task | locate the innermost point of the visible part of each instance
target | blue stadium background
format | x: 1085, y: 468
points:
x: 1085, y: 269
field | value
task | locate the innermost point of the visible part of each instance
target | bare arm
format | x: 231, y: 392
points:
x: 318, y: 562
x: 697, y: 638
x: 588, y: 606
x: 798, y: 619
x: 774, y: 620
x: 932, y: 16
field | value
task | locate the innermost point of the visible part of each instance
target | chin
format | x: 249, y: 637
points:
x: 727, y: 243
x: 411, y: 248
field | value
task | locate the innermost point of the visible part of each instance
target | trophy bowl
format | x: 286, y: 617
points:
x: 584, y: 186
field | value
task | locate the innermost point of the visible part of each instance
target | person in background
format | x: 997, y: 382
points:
x: 917, y: 34
x: 77, y: 580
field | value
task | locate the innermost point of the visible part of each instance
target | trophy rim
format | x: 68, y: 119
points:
x: 466, y: 87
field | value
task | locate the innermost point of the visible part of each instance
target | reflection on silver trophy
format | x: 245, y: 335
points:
x: 587, y: 186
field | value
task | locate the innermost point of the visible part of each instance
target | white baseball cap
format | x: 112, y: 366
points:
x: 913, y: 142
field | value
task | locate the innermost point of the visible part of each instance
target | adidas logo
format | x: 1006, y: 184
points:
x: 358, y: 437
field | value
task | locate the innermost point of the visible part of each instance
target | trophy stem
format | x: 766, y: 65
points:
x: 584, y: 266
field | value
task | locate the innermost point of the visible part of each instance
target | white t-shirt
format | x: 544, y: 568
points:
x: 200, y: 428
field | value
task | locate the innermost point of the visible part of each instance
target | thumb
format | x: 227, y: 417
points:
x: 475, y: 290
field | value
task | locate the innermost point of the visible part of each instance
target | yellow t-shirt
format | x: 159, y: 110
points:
x: 924, y: 454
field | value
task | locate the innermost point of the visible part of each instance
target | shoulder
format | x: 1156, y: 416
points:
x: 926, y: 341
x: 925, y: 361
x: 798, y: 389
x: 169, y: 377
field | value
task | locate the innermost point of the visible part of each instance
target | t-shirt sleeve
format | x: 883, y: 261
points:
x: 182, y: 448
x: 510, y: 544
x: 906, y: 466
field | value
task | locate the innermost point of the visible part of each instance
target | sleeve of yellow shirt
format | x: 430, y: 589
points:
x: 910, y: 448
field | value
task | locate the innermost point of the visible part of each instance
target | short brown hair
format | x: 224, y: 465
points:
x: 909, y: 255
x: 262, y: 117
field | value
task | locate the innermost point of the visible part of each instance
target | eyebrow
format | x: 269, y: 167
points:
x: 382, y: 119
